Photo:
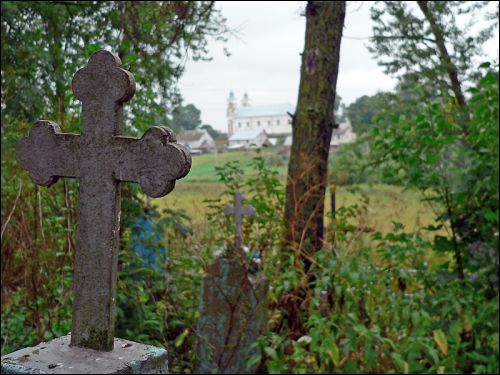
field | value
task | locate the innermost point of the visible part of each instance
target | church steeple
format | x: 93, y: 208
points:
x: 232, y: 106
x: 245, y: 102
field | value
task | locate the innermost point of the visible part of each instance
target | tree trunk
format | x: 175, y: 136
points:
x: 443, y: 52
x: 312, y: 130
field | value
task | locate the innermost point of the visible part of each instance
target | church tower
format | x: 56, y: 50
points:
x: 245, y: 102
x: 232, y: 106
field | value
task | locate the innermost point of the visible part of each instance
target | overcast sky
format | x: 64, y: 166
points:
x: 265, y: 60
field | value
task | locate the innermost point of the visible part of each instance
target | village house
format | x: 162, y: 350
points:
x: 342, y: 135
x: 249, y: 139
x: 198, y: 141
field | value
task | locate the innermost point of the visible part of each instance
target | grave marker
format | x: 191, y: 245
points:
x: 101, y: 159
x: 238, y: 211
x: 233, y: 308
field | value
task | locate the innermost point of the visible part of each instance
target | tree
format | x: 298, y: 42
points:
x: 214, y: 133
x: 41, y: 50
x: 312, y: 129
x: 405, y: 99
x: 456, y: 173
x: 363, y: 110
x: 185, y: 117
x: 432, y: 49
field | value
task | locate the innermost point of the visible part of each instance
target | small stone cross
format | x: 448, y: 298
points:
x: 238, y: 211
x: 101, y: 158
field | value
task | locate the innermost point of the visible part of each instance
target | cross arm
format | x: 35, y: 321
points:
x: 155, y: 161
x: 248, y: 211
x: 229, y: 210
x: 48, y: 154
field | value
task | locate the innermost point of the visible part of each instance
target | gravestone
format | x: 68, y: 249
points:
x: 233, y: 308
x: 101, y: 159
x: 238, y: 211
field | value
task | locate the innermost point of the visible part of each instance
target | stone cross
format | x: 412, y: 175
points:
x: 101, y: 158
x: 238, y: 211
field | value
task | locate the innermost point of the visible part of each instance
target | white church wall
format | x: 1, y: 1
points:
x: 280, y: 124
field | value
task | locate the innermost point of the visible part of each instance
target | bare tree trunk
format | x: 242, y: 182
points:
x: 443, y: 52
x: 312, y: 130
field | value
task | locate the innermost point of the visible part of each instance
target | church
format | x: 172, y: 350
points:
x: 274, y: 119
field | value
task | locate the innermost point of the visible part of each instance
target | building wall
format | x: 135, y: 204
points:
x: 273, y: 125
x: 207, y: 143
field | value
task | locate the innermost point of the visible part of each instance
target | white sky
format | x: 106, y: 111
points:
x: 265, y: 60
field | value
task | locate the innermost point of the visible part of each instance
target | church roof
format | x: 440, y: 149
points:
x: 246, y: 135
x: 265, y: 110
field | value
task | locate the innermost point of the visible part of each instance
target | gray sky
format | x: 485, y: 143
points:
x: 265, y: 60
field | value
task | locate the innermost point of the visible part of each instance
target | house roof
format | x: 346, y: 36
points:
x: 246, y: 135
x: 344, y: 127
x: 265, y: 110
x: 190, y: 135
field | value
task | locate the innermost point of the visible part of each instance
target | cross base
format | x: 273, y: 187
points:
x: 57, y: 357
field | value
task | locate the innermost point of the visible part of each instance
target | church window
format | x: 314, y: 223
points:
x: 277, y: 122
x: 258, y: 123
x: 268, y: 122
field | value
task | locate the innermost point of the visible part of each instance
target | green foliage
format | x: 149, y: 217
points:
x: 382, y: 310
x: 185, y: 117
x: 41, y: 51
x: 387, y: 302
x: 456, y: 171
x: 363, y: 110
x: 148, y: 298
x: 406, y: 43
x: 264, y: 191
x: 37, y: 248
x: 387, y: 307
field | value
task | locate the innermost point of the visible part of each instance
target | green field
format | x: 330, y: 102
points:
x: 386, y: 203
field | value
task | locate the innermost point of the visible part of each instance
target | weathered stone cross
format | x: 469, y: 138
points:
x: 238, y: 211
x: 101, y: 159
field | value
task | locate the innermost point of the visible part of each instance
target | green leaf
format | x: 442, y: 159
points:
x: 443, y: 244
x: 334, y: 353
x: 271, y: 352
x: 254, y: 360
x: 433, y: 354
x: 440, y: 339
x: 179, y: 340
x: 491, y: 216
x: 91, y: 48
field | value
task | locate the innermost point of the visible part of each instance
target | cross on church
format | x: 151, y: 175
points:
x: 101, y: 159
x: 238, y: 211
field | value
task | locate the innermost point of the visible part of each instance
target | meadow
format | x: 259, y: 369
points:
x: 385, y: 203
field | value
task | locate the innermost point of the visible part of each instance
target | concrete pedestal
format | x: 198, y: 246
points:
x: 57, y: 357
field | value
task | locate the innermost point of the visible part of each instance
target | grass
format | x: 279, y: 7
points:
x: 387, y: 204
x: 203, y: 169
